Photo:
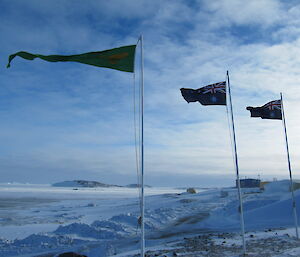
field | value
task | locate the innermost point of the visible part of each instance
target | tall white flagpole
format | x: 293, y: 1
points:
x: 237, y: 170
x: 142, y: 152
x: 290, y: 169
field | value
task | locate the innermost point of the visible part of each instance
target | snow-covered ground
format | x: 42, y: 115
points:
x: 41, y: 220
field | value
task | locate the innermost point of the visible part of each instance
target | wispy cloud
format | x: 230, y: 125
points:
x: 77, y: 119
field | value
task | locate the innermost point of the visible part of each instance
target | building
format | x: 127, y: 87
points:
x: 248, y: 183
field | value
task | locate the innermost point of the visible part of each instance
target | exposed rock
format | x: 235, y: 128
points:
x: 191, y: 190
x: 82, y: 183
x: 71, y: 254
x: 136, y: 186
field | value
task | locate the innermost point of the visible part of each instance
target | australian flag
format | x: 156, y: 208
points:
x: 271, y: 110
x: 214, y: 94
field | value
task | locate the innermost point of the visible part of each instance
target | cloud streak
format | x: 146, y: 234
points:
x: 78, y: 119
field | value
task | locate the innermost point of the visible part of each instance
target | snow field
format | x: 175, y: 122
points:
x: 101, y: 223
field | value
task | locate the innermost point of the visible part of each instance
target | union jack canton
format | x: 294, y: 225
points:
x: 273, y: 105
x: 219, y: 87
x: 271, y: 110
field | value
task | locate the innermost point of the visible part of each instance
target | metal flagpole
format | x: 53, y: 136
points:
x: 290, y: 169
x: 142, y: 152
x: 237, y: 170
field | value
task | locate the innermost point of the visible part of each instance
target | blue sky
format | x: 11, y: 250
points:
x: 68, y: 121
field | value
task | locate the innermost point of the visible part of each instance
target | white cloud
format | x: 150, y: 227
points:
x: 74, y: 117
x: 239, y: 12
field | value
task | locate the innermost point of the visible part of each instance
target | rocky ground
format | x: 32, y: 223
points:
x: 229, y: 245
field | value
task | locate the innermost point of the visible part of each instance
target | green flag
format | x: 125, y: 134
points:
x: 121, y: 58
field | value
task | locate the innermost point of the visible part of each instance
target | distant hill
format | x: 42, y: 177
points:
x: 82, y: 183
x: 136, y: 186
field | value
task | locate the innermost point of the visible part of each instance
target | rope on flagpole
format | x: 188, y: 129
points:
x: 237, y: 171
x: 230, y: 134
x: 141, y: 149
x: 137, y: 140
x: 139, y: 143
x: 290, y: 169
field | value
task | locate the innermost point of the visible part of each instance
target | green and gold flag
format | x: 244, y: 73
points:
x: 121, y: 58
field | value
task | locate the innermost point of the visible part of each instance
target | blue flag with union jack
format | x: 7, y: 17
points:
x: 271, y: 110
x: 214, y: 94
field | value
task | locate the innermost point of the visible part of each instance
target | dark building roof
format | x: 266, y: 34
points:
x: 249, y: 182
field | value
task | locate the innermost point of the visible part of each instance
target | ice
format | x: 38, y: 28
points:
x: 40, y: 219
x: 282, y: 186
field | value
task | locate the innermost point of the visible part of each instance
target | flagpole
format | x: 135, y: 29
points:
x: 142, y: 152
x: 237, y: 170
x: 290, y: 169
